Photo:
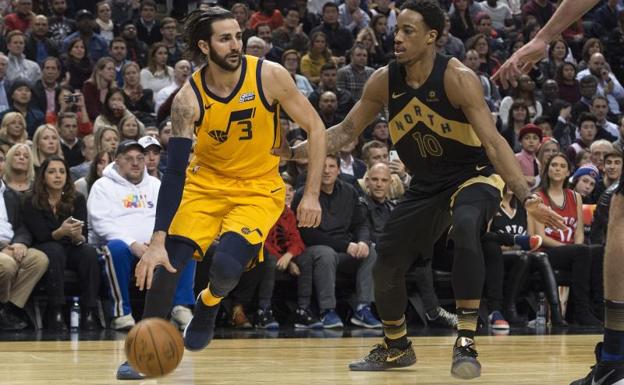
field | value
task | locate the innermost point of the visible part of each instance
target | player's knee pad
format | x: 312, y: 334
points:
x: 466, y: 231
x: 228, y: 263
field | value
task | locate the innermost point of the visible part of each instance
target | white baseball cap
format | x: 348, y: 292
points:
x: 147, y: 141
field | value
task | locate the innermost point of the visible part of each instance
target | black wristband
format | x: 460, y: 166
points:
x: 530, y: 196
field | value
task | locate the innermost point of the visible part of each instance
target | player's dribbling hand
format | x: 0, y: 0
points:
x: 544, y: 214
x: 309, y: 211
x: 520, y: 63
x: 154, y: 256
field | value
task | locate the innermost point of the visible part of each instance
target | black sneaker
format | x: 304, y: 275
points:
x: 442, y: 318
x: 382, y: 357
x: 266, y: 320
x: 603, y: 373
x: 199, y: 332
x: 304, y: 319
x: 465, y: 364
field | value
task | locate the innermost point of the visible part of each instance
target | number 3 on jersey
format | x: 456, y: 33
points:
x: 242, y: 118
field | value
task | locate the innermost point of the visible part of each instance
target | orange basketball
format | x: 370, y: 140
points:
x: 154, y: 347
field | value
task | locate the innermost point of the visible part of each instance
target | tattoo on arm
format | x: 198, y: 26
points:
x: 337, y: 137
x: 182, y: 120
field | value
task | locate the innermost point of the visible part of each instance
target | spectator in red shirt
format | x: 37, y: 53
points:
x: 21, y: 18
x: 267, y: 14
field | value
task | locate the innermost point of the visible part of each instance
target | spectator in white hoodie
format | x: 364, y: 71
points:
x: 122, y: 210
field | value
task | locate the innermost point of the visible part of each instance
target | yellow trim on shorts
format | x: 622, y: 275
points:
x: 493, y: 180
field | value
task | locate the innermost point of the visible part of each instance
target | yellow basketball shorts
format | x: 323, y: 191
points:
x: 213, y: 204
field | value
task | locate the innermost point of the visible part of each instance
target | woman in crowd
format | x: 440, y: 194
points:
x: 318, y: 54
x: 379, y: 23
x: 106, y: 139
x: 19, y: 170
x: 56, y: 216
x: 591, y: 46
x: 157, y: 75
x: 569, y: 88
x: 113, y: 110
x: 290, y: 61
x: 479, y: 43
x: 139, y: 100
x: 565, y: 248
x: 508, y: 232
x: 376, y: 55
x: 549, y: 147
x: 557, y: 53
x: 108, y: 30
x: 130, y: 128
x: 97, y: 86
x: 517, y: 117
x: 46, y: 143
x: 77, y: 64
x: 462, y: 25
x: 84, y: 184
x: 12, y: 131
x: 525, y: 91
x: 69, y: 100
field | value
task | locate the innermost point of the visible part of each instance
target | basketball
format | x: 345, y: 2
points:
x: 154, y: 347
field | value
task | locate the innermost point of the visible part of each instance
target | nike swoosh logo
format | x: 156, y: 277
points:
x: 603, y: 379
x: 479, y: 168
x: 395, y: 95
x: 392, y: 359
x: 276, y: 190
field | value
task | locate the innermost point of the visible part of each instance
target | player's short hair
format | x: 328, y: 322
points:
x: 198, y: 26
x: 431, y: 12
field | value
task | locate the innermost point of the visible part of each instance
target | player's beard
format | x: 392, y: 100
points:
x: 222, y: 62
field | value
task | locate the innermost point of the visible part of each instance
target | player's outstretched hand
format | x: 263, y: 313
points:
x: 309, y: 211
x: 154, y: 256
x: 520, y: 62
x: 544, y: 214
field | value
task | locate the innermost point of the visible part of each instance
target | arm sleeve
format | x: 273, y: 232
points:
x: 172, y: 186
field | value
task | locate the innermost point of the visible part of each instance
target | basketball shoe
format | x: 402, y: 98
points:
x: 603, y: 373
x: 199, y: 332
x: 465, y: 364
x: 382, y: 357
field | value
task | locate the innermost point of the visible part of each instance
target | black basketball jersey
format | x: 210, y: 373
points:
x: 502, y: 223
x: 433, y: 138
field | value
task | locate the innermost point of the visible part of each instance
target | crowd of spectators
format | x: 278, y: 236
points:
x: 85, y: 95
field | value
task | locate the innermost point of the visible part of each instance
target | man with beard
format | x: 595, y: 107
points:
x: 60, y: 26
x: 232, y: 189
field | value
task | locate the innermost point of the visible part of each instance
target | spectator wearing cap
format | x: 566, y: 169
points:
x: 20, y: 96
x: 380, y: 131
x: 137, y: 49
x: 96, y: 45
x: 584, y: 182
x: 19, y: 66
x: 151, y: 149
x: 530, y: 137
x: 122, y: 211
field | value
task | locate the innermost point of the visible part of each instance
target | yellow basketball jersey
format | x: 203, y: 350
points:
x: 235, y: 134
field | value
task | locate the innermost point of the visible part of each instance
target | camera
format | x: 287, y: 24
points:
x: 72, y: 98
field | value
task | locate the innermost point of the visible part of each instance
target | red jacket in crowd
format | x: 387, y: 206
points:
x: 284, y: 236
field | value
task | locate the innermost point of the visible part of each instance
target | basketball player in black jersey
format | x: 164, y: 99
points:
x: 609, y: 369
x: 444, y: 133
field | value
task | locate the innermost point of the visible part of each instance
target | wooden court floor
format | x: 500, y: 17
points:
x: 550, y: 359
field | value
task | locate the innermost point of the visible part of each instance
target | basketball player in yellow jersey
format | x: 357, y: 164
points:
x: 231, y: 189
